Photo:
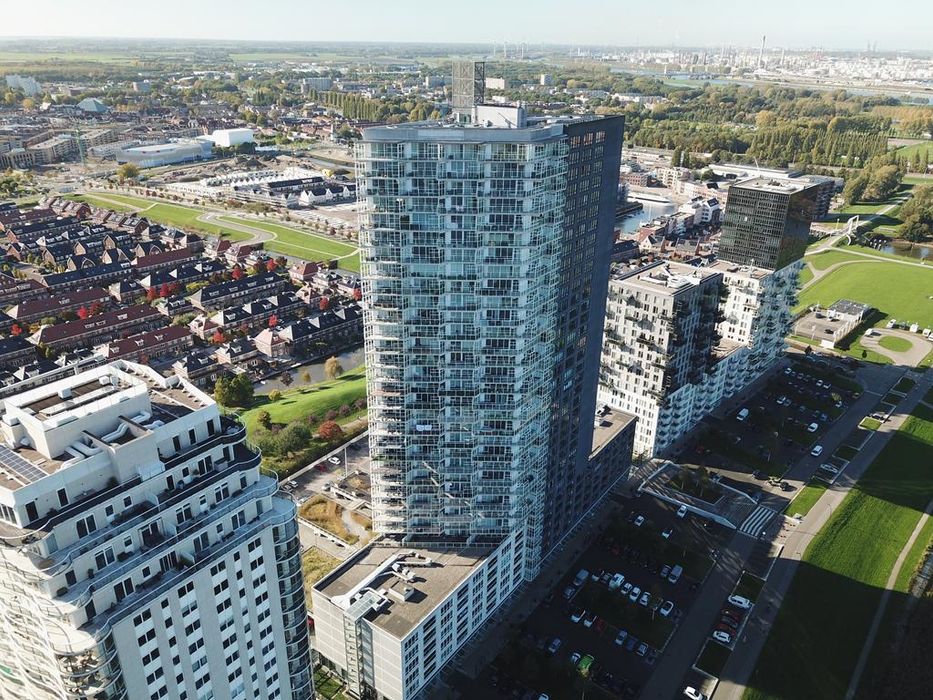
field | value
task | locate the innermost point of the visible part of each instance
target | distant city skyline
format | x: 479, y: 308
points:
x: 794, y: 24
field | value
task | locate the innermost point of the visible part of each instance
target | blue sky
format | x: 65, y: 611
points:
x: 893, y: 24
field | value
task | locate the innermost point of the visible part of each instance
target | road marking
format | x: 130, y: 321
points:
x: 756, y: 522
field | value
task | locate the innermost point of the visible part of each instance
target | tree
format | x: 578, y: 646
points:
x: 306, y: 377
x: 357, y: 294
x: 258, y: 267
x: 345, y: 410
x: 332, y: 368
x: 218, y: 337
x: 854, y: 189
x: 15, y: 329
x: 330, y: 430
x: 151, y: 294
x: 324, y: 304
x: 233, y: 391
x: 271, y: 265
x: 275, y: 395
x: 264, y: 419
x: 95, y: 308
x: 83, y: 313
x: 286, y: 379
x: 273, y: 321
x: 237, y: 273
x: 127, y: 171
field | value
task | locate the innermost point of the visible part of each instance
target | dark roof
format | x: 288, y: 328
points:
x: 70, y: 329
x: 15, y: 343
x: 143, y: 341
x: 57, y: 302
x: 212, y: 292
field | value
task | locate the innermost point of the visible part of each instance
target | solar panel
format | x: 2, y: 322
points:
x: 26, y: 471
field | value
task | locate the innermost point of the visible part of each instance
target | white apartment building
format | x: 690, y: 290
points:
x: 143, y: 553
x: 643, y: 368
x: 391, y: 616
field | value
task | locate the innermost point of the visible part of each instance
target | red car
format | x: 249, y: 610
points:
x: 600, y: 624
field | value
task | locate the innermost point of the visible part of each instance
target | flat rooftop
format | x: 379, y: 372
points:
x: 609, y: 423
x: 780, y: 185
x: 432, y: 574
x: 749, y: 271
x: 665, y: 278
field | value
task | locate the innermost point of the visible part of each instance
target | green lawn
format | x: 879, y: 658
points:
x: 870, y: 423
x: 806, y: 274
x: 302, y: 244
x: 827, y: 258
x: 899, y: 291
x: 821, y: 626
x: 302, y: 401
x: 909, y: 151
x: 807, y: 498
x: 99, y: 202
x: 177, y: 215
x: 895, y: 343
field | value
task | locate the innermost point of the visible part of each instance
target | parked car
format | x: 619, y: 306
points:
x: 682, y: 511
x: 692, y: 693
x: 633, y: 596
x: 665, y: 570
x: 666, y: 534
x: 675, y: 574
x: 723, y: 637
x: 616, y: 581
x: 631, y: 643
x: 620, y: 638
x: 813, y: 427
x: 570, y: 592
x: 581, y: 576
x: 577, y: 614
x: 626, y: 588
x: 742, y: 415
x: 642, y: 649
x: 554, y: 646
x: 334, y: 460
x: 727, y: 622
x: 585, y: 664
x: 816, y: 451
x: 645, y: 599
x: 574, y: 658
x: 829, y: 468
x: 639, y: 521
x: 666, y: 608
x: 740, y: 602
x: 589, y: 620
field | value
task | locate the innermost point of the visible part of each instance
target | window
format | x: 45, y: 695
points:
x: 104, y: 557
x: 86, y: 525
x: 62, y: 497
x: 123, y: 589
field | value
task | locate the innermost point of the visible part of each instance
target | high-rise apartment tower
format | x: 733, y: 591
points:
x: 485, y: 255
x: 143, y: 553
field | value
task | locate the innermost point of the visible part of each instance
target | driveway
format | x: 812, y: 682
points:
x: 920, y: 346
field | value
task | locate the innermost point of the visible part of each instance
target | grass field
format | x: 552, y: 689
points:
x: 869, y: 423
x: 899, y: 291
x: 315, y: 565
x: 821, y: 626
x: 301, y: 244
x: 302, y: 401
x: 328, y: 515
x: 895, y: 343
x: 807, y: 498
x: 177, y: 215
x: 909, y: 151
x: 828, y: 258
x: 806, y: 274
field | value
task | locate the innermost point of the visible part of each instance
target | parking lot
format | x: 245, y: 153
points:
x: 621, y: 614
x: 784, y: 421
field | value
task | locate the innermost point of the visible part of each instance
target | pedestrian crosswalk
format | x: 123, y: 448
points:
x: 756, y: 522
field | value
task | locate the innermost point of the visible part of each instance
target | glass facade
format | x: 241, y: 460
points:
x: 482, y: 274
